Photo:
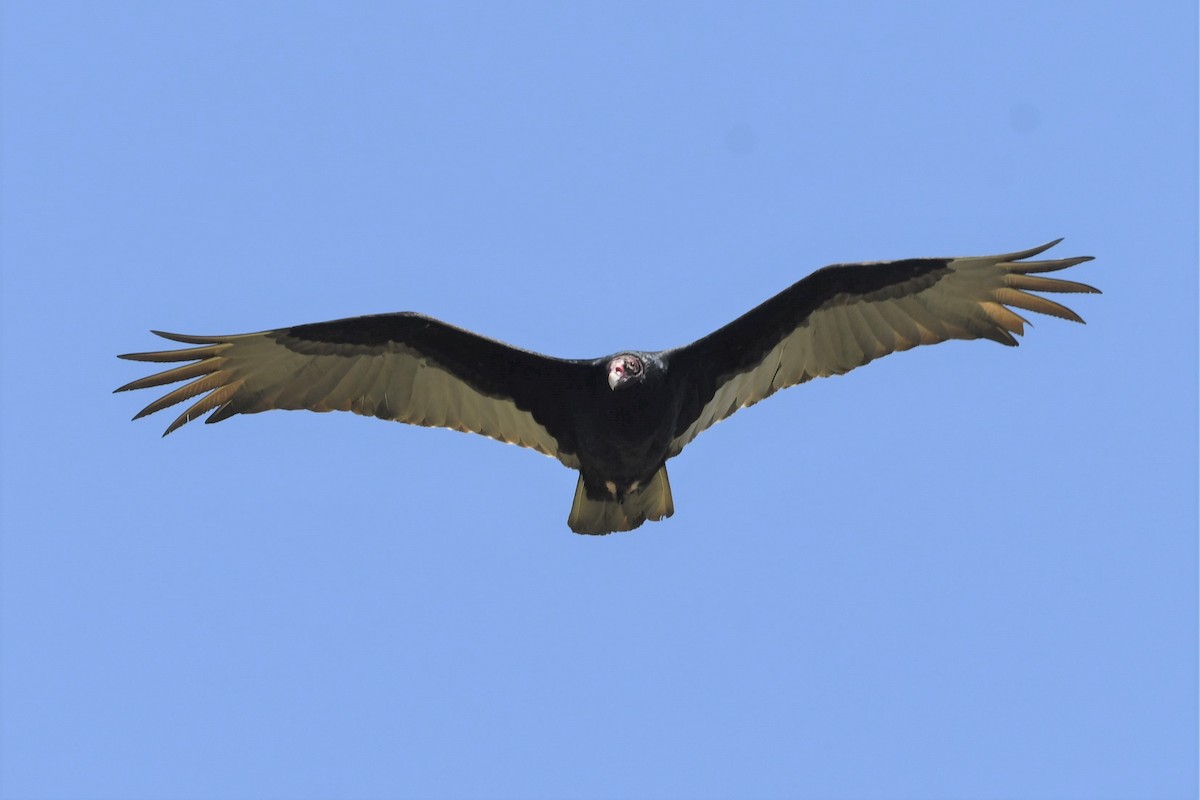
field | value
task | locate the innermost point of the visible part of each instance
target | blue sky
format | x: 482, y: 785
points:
x: 965, y: 571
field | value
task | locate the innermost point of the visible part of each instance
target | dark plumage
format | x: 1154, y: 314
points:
x: 616, y: 419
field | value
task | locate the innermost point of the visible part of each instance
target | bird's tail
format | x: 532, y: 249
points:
x: 607, y: 514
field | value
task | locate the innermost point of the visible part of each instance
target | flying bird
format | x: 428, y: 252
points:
x: 616, y: 419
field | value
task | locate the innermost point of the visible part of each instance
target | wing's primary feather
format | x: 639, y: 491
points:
x: 404, y: 367
x: 847, y: 315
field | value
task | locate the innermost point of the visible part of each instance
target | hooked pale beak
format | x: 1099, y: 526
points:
x: 614, y: 376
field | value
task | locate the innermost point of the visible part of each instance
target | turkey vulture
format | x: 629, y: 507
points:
x: 616, y: 419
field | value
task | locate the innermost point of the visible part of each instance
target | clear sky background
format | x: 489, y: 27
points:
x: 965, y: 571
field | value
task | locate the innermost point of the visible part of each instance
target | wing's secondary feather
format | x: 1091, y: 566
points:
x: 847, y: 315
x: 403, y: 367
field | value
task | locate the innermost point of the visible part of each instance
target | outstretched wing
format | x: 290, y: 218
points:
x: 404, y: 367
x: 847, y: 315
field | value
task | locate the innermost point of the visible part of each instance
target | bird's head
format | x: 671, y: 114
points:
x: 624, y: 370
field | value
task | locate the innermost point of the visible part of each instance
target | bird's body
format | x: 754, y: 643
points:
x: 616, y: 419
x: 628, y: 439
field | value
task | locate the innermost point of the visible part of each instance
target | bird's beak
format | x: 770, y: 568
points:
x: 614, y: 377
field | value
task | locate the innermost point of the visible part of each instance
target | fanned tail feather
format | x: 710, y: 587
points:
x: 609, y: 515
